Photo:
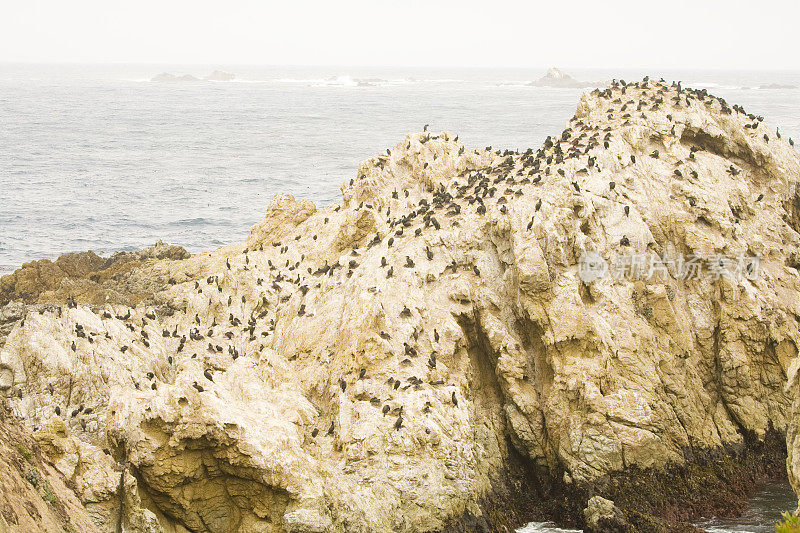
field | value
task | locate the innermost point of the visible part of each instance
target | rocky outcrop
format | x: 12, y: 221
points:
x: 561, y: 80
x: 85, y: 276
x: 602, y: 515
x: 220, y: 75
x: 284, y: 214
x: 429, y: 353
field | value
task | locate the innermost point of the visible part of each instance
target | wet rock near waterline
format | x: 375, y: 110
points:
x: 602, y: 516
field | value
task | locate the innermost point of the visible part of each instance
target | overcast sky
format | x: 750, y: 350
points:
x: 724, y: 34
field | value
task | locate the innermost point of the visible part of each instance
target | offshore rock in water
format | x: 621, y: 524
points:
x: 220, y: 75
x: 561, y: 80
x: 217, y: 75
x: 426, y: 356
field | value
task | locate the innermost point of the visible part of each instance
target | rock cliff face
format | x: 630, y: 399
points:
x: 426, y: 356
x: 34, y: 496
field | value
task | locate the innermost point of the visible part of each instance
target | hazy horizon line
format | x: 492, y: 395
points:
x: 398, y: 66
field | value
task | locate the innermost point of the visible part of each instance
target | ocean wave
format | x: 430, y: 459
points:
x: 509, y: 83
x: 767, y: 87
x: 241, y: 80
x: 706, y: 85
x: 437, y: 80
x: 341, y: 81
x: 191, y: 222
x: 715, y: 86
x: 778, y: 86
x: 187, y: 223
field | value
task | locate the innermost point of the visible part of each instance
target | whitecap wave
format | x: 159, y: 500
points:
x: 333, y: 81
x: 242, y: 80
x: 715, y: 86
x: 510, y: 83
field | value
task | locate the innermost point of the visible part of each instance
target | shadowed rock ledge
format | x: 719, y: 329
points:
x: 425, y: 356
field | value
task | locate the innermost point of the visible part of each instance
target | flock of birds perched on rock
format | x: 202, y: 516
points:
x: 236, y: 324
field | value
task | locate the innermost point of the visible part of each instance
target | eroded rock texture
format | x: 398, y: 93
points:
x: 87, y: 277
x: 396, y: 362
x: 34, y: 496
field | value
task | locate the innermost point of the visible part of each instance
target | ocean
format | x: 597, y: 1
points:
x: 102, y: 158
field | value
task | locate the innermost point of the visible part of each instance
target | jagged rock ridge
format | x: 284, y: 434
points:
x: 384, y: 364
